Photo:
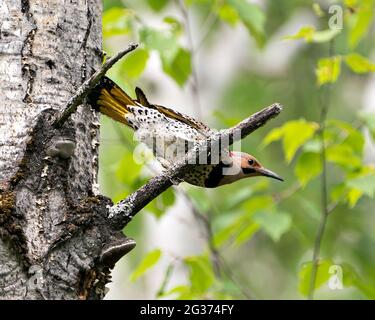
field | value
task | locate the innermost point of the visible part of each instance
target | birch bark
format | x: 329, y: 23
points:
x: 48, y: 177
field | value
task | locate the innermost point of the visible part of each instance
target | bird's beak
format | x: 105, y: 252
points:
x: 270, y: 174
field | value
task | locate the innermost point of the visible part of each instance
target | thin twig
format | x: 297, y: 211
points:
x: 324, y: 192
x: 89, y: 84
x: 121, y: 213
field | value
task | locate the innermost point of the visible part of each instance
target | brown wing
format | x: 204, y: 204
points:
x: 170, y: 113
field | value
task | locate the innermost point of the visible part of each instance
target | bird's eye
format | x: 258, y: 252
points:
x: 251, y: 162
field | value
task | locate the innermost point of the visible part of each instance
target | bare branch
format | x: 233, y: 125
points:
x: 89, y: 84
x: 121, y: 213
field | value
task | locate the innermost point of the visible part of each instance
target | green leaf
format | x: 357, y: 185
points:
x: 366, y: 184
x: 247, y: 233
x: 274, y: 224
x: 224, y: 119
x: 317, y: 10
x: 328, y: 70
x: 116, y: 21
x: 183, y: 293
x: 168, y: 198
x: 160, y: 205
x: 338, y: 192
x: 355, y: 186
x: 176, y: 60
x: 226, y: 233
x: 148, y: 262
x: 294, y: 134
x: 258, y: 203
x: 241, y: 222
x: 252, y: 17
x: 309, y: 34
x: 343, y: 155
x: 350, y: 3
x: 345, y: 273
x: 274, y: 135
x: 200, y: 198
x: 227, y: 14
x: 355, y: 140
x: 238, y: 198
x: 201, y: 274
x: 322, y: 276
x: 308, y: 167
x: 313, y: 145
x: 359, y: 64
x: 135, y: 63
x: 347, y: 135
x: 127, y: 170
x: 179, y: 68
x: 352, y: 279
x: 306, y: 33
x: 163, y: 42
x: 157, y: 5
x: 325, y: 35
x: 362, y: 23
x: 176, y: 26
x: 353, y: 196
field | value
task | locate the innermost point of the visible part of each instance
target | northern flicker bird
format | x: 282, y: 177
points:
x: 170, y: 134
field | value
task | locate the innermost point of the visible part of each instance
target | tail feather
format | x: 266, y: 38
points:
x: 142, y: 98
x: 108, y: 98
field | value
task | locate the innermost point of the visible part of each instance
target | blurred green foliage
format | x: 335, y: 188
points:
x: 148, y: 262
x: 265, y: 230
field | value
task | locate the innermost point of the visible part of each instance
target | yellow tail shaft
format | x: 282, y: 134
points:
x: 111, y: 100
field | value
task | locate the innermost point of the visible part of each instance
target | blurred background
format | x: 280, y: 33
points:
x: 220, y: 61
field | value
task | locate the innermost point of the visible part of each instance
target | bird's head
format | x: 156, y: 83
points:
x: 245, y: 165
x: 251, y: 167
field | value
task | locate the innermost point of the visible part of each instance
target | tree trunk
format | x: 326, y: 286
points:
x: 58, y: 237
x: 52, y: 228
